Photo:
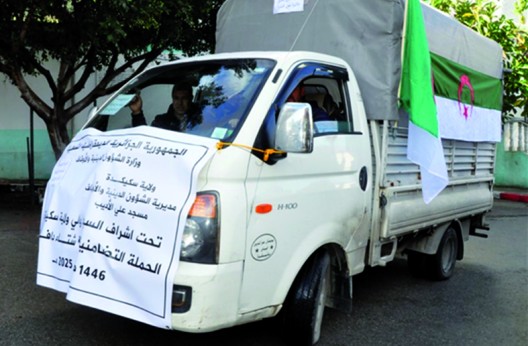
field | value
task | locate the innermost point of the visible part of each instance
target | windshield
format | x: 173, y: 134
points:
x: 209, y: 99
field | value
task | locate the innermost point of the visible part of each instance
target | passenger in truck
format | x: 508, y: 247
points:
x: 181, y: 115
x: 318, y: 113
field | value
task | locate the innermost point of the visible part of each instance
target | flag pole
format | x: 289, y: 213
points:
x: 402, y: 48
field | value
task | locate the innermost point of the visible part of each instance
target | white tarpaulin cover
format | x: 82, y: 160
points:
x: 365, y: 33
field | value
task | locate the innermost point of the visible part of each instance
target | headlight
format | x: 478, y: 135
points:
x: 192, y: 239
x: 201, y: 233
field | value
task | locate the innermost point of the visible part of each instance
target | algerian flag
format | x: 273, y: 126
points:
x: 469, y: 102
x: 416, y: 95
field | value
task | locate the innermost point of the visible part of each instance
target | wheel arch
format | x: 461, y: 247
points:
x: 429, y: 241
x: 341, y: 289
x: 340, y: 293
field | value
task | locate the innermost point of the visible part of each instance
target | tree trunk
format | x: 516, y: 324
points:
x: 58, y: 135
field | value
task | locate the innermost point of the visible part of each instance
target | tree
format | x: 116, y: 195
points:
x: 85, y: 36
x: 484, y: 17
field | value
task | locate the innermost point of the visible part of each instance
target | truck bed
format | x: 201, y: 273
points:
x: 399, y: 197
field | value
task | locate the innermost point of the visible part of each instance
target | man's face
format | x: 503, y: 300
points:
x: 180, y: 102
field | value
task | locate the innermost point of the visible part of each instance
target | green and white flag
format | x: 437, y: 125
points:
x: 417, y: 98
x: 469, y: 102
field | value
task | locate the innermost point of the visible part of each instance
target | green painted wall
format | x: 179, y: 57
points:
x: 511, y: 168
x: 13, y: 155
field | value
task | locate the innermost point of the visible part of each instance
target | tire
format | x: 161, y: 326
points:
x: 304, y: 307
x: 442, y: 265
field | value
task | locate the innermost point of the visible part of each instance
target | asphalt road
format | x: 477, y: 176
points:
x: 484, y: 303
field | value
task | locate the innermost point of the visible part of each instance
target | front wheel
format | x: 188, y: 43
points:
x: 304, y: 307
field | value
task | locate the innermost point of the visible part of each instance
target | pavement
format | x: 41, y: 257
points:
x: 18, y: 212
x: 18, y: 197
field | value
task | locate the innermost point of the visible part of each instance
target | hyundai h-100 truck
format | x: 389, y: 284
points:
x: 306, y: 180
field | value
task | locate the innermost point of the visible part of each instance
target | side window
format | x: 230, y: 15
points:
x: 324, y: 87
x: 327, y: 98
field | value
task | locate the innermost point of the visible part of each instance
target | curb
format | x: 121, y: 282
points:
x: 511, y: 196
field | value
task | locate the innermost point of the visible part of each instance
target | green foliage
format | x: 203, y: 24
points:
x: 84, y: 36
x: 69, y: 30
x: 521, y: 7
x: 484, y: 17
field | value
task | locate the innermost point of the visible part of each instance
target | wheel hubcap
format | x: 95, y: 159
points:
x: 448, y: 255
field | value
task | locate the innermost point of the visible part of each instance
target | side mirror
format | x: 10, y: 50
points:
x: 295, y: 128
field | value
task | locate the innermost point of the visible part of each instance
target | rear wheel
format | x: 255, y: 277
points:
x: 304, y: 307
x: 439, y: 266
x: 442, y: 265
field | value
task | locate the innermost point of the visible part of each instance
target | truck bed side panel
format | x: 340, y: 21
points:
x: 469, y: 192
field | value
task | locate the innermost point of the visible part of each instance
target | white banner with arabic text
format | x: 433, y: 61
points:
x: 113, y: 216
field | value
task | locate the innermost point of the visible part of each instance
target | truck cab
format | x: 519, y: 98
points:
x: 276, y: 213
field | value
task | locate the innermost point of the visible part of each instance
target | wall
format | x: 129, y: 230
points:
x: 511, y: 167
x: 15, y: 130
x: 15, y: 124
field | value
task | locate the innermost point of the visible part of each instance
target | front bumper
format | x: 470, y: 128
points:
x: 214, y: 296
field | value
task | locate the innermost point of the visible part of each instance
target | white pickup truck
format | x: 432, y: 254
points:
x: 290, y: 207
